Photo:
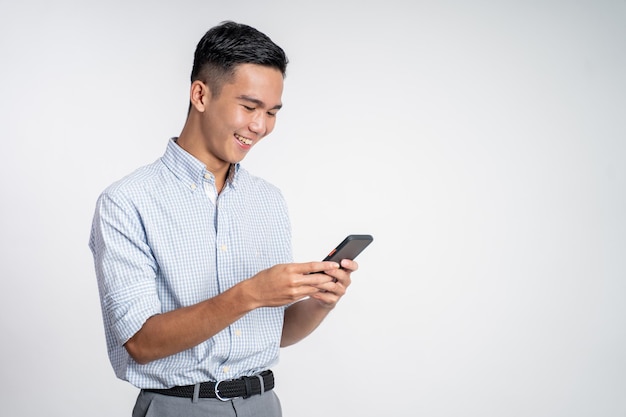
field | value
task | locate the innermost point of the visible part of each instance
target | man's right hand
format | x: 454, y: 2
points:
x: 287, y: 283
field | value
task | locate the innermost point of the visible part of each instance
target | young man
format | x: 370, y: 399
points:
x: 193, y: 254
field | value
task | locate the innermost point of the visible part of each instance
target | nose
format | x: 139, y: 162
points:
x: 258, y: 124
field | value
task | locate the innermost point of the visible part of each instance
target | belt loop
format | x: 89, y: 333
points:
x: 262, y: 382
x: 196, y: 393
x: 248, y: 382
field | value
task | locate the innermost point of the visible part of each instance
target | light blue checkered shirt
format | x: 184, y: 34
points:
x: 162, y: 239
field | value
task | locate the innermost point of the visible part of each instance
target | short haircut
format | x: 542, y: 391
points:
x: 230, y: 44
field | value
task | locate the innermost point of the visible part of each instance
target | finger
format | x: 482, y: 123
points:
x: 313, y: 267
x: 315, y: 280
x: 334, y: 287
x: 349, y: 265
x: 326, y: 298
x: 341, y: 275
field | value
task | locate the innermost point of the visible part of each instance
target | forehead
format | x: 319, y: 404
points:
x: 262, y: 82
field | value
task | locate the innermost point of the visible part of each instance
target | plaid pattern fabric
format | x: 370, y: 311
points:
x: 162, y: 240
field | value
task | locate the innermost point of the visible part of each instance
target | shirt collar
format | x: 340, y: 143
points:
x: 189, y: 170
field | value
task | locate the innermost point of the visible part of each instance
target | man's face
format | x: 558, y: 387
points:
x: 243, y: 113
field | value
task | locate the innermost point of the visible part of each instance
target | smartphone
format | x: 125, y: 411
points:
x: 349, y: 248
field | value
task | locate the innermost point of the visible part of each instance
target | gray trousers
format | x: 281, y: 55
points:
x: 150, y: 404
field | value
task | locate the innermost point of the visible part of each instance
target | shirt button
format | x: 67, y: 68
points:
x: 193, y: 186
x: 226, y: 369
x: 237, y: 332
x: 207, y: 176
x: 223, y: 248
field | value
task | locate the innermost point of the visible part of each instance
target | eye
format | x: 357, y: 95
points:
x: 248, y: 108
x: 271, y: 114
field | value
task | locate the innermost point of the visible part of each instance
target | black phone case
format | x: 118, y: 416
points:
x: 349, y: 248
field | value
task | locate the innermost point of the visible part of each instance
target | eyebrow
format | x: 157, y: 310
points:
x: 258, y: 102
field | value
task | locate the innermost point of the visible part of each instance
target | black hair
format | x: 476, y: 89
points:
x: 230, y: 44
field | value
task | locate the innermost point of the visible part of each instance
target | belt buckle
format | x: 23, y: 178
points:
x: 217, y: 393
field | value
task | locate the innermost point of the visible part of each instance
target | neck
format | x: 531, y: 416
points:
x: 188, y: 140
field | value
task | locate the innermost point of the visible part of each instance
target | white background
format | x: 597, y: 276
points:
x: 482, y: 143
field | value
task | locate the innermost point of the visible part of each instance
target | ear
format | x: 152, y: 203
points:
x: 199, y: 95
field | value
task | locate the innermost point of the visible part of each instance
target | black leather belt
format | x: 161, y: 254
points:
x: 244, y: 387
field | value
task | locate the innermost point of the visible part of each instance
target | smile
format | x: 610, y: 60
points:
x: 243, y: 140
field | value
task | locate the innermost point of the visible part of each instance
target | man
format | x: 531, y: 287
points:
x: 193, y: 253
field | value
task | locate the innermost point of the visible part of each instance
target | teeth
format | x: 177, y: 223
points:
x: 243, y: 140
